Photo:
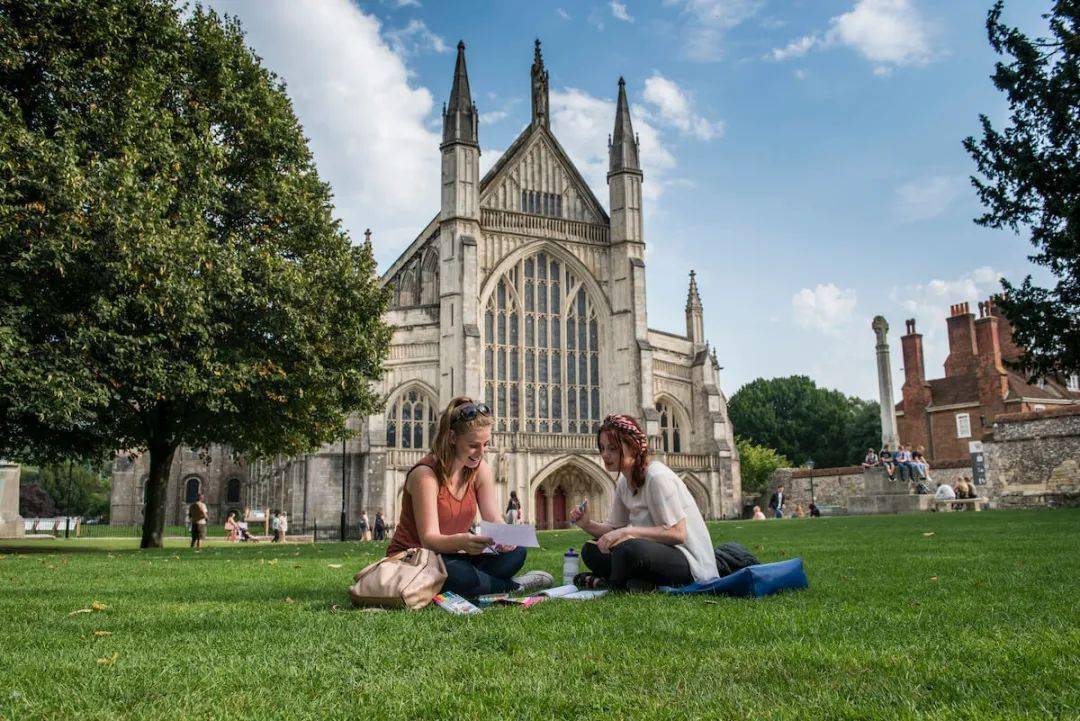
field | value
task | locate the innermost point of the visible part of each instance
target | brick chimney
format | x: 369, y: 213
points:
x: 912, y: 426
x: 962, y: 352
x: 1009, y: 350
x: 993, y: 382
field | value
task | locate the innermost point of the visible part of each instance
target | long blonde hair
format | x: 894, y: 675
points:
x: 443, y: 448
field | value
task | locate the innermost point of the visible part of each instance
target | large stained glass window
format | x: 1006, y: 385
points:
x: 542, y: 350
x: 410, y: 421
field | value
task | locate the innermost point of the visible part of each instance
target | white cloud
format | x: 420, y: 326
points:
x: 562, y: 13
x: 888, y: 33
x: 795, y: 49
x: 366, y: 123
x: 799, y: 74
x: 826, y: 307
x: 675, y: 107
x: 706, y: 22
x: 407, y: 3
x: 927, y: 197
x: 928, y: 303
x: 582, y: 123
x: 619, y: 11
x: 414, y: 38
x: 493, y: 117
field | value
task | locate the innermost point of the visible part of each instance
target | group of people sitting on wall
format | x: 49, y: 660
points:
x: 653, y: 535
x: 964, y: 489
x: 910, y: 465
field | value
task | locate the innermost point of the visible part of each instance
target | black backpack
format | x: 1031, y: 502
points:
x: 731, y: 557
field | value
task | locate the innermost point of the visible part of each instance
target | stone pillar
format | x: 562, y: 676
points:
x: 889, y: 438
x: 11, y: 523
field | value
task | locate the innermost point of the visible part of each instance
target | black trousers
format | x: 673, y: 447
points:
x: 638, y: 558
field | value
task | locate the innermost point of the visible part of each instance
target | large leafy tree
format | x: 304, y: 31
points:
x: 803, y: 422
x: 170, y: 270
x: 1030, y: 180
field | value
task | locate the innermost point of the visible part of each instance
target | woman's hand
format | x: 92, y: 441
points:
x: 579, y: 517
x: 504, y: 549
x: 475, y: 545
x: 609, y: 539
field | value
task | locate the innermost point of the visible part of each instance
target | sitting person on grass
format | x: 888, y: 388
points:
x: 654, y: 534
x: 442, y: 494
x: 758, y: 515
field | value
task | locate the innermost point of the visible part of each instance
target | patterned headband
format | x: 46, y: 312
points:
x: 626, y: 424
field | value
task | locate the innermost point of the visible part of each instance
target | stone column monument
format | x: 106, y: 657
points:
x: 11, y: 523
x: 889, y: 438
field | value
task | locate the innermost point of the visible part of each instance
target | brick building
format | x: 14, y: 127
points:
x: 945, y: 414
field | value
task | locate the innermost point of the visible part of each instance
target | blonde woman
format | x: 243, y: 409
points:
x: 442, y: 495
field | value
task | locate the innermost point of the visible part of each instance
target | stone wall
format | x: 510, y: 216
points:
x: 10, y: 522
x: 1033, y: 459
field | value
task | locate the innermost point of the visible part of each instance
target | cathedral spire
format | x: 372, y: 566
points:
x: 623, y: 146
x: 459, y: 115
x: 693, y: 299
x: 539, y: 88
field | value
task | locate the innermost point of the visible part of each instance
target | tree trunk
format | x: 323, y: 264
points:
x: 161, y: 458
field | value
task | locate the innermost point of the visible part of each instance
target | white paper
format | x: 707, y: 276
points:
x: 505, y: 534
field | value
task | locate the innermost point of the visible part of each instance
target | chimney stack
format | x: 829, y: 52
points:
x: 914, y: 367
x: 1009, y: 350
x: 962, y: 358
x: 993, y: 381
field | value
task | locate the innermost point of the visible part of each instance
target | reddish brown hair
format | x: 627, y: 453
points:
x: 628, y: 432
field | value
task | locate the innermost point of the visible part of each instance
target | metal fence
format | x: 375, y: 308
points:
x: 74, y: 528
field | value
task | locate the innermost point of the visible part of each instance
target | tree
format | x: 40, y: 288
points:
x: 1030, y: 181
x: 170, y: 270
x: 77, y: 489
x: 804, y: 422
x: 757, y: 463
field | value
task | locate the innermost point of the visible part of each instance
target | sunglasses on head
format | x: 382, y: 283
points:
x: 468, y: 411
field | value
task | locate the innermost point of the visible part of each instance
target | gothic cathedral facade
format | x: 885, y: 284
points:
x: 524, y: 292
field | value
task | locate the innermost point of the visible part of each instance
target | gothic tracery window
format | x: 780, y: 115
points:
x: 541, y: 350
x: 410, y: 421
x: 670, y: 433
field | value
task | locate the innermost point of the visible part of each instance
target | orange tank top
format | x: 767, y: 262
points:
x: 455, y: 515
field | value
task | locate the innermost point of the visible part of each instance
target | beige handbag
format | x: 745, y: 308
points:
x: 410, y: 578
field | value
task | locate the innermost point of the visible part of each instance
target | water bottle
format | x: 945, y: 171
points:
x: 569, y: 567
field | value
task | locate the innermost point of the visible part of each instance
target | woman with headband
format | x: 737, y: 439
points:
x: 442, y: 494
x: 654, y: 534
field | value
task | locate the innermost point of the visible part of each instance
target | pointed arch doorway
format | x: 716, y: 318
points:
x: 564, y: 486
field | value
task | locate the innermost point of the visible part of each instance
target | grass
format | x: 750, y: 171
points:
x: 977, y: 621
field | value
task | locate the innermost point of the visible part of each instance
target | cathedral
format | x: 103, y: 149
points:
x: 522, y: 291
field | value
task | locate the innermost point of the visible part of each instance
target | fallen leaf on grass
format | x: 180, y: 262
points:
x: 98, y: 606
x: 102, y: 634
x: 927, y: 535
x: 272, y: 562
x: 297, y: 565
x: 933, y: 578
x: 333, y: 565
x: 288, y: 599
x: 81, y: 610
x: 108, y: 660
x: 335, y: 608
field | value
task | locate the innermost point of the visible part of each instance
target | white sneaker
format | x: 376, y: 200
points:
x: 534, y: 581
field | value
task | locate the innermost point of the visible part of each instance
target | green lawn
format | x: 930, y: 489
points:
x: 978, y: 620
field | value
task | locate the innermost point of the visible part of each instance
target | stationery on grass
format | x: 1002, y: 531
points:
x: 455, y: 604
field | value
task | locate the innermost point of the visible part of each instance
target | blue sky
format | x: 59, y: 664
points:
x: 803, y: 157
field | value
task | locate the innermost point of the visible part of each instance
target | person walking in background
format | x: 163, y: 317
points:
x: 232, y: 532
x: 198, y: 515
x: 275, y: 526
x: 284, y: 525
x: 776, y: 502
x: 365, y: 527
x: 513, y: 508
x: 380, y: 526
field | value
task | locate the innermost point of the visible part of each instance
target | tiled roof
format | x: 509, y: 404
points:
x: 954, y: 389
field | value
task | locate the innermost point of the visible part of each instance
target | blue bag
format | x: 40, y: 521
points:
x: 753, y: 581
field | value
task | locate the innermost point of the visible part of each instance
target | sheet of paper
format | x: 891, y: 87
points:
x: 520, y: 534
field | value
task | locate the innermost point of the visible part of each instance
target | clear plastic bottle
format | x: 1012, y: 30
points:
x: 569, y: 566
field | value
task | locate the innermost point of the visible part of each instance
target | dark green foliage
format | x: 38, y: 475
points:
x: 803, y: 422
x: 77, y: 489
x: 756, y: 464
x: 974, y: 622
x: 170, y: 269
x: 1030, y: 180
